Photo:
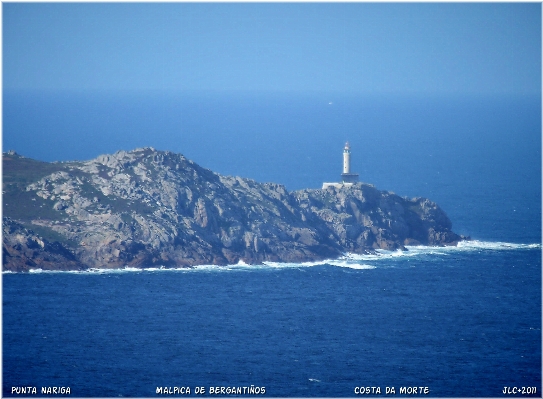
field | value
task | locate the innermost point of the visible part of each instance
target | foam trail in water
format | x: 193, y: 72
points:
x: 419, y: 250
x: 350, y: 264
x: 475, y: 244
x: 332, y: 262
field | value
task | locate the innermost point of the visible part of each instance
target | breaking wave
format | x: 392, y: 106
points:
x: 349, y: 260
x: 476, y: 245
x: 421, y: 250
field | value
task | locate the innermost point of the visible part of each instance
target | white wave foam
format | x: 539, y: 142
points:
x: 287, y: 265
x: 475, y: 244
x: 35, y: 271
x: 93, y: 271
x: 350, y: 265
x: 379, y: 255
x: 210, y: 268
x: 109, y: 271
x: 240, y: 266
x: 463, y: 246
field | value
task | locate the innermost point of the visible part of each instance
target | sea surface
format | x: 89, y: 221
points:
x: 459, y: 322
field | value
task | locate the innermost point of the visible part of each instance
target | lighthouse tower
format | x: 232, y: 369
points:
x: 347, y: 176
x: 347, y: 159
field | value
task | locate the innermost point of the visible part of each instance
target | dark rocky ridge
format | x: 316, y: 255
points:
x: 146, y: 207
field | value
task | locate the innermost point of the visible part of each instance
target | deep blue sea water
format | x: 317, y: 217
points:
x: 464, y: 322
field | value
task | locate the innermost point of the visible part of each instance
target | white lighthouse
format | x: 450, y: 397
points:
x: 347, y: 159
x: 347, y: 178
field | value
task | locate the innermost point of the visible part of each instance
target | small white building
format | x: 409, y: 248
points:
x: 347, y: 178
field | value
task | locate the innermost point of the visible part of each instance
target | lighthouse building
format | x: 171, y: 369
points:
x: 347, y: 178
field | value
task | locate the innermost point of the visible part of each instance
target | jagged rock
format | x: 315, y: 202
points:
x: 147, y: 207
x: 22, y: 250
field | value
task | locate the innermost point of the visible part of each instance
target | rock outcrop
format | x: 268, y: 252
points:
x: 146, y: 207
x: 22, y: 250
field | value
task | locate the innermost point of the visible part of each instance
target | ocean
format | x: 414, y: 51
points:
x: 450, y: 322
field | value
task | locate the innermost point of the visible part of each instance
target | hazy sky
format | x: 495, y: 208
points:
x: 358, y: 47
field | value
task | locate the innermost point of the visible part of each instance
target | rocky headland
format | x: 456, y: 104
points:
x: 146, y: 208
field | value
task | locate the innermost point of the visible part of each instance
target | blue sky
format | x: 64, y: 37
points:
x: 351, y: 47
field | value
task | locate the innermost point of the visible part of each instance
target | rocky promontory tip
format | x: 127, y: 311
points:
x: 146, y: 207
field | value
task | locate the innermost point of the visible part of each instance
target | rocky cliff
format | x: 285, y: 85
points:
x: 146, y: 207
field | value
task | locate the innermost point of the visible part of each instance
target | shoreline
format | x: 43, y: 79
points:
x: 349, y: 260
